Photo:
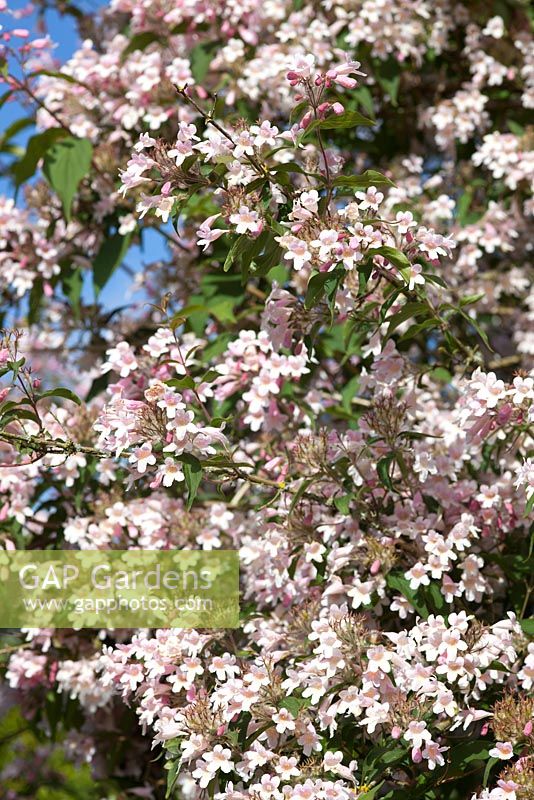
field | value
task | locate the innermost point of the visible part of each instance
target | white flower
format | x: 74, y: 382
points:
x: 296, y: 250
x: 370, y: 199
x: 379, y: 659
x: 417, y: 734
x: 246, y: 221
x: 143, y: 457
x: 432, y: 752
x: 171, y: 472
x: 523, y: 390
x: 284, y: 721
x: 417, y: 576
x: 375, y: 715
x: 503, y: 750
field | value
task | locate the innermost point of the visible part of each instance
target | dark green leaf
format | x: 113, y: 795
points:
x: 395, y: 257
x: 173, y: 768
x: 34, y: 304
x: 406, y: 312
x: 320, y: 284
x: 140, y: 42
x: 35, y: 150
x: 294, y: 704
x: 193, y: 476
x: 108, y: 258
x: 61, y: 391
x: 200, y: 58
x: 369, y: 178
x: 349, y: 119
x: 66, y: 164
x: 383, y: 469
x: 399, y: 583
x: 72, y: 284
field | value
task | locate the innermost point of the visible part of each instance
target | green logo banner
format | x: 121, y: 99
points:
x: 119, y: 589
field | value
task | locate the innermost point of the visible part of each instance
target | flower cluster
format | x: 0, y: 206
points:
x: 329, y: 371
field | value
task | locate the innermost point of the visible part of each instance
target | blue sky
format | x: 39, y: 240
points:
x: 62, y: 30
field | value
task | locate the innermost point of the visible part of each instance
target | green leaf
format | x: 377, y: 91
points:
x: 435, y: 599
x: 61, y: 391
x: 320, y: 284
x: 395, y: 257
x: 471, y: 298
x: 379, y: 759
x: 193, y: 476
x: 181, y: 383
x: 200, y: 58
x: 294, y: 704
x: 342, y: 504
x: 399, y: 583
x: 489, y: 766
x: 140, y: 42
x: 388, y: 76
x: 36, y: 298
x: 5, y: 97
x: 515, y: 127
x: 237, y: 249
x: 348, y: 392
x: 415, y: 330
x: 369, y: 178
x: 349, y: 119
x: 72, y: 284
x: 108, y: 258
x: 372, y: 793
x: 464, y: 755
x: 14, y: 128
x: 527, y: 626
x: 382, y: 469
x: 97, y: 386
x: 482, y: 333
x: 66, y: 164
x: 35, y: 150
x: 365, y: 99
x: 173, y: 768
x: 406, y: 312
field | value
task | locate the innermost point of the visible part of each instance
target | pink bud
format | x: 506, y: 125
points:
x: 306, y: 119
x: 396, y: 732
x: 485, y: 729
x: 375, y: 566
x: 22, y: 33
x: 417, y: 755
x: 4, y: 356
x: 221, y: 729
x: 36, y: 383
x: 191, y: 694
x: 4, y: 393
x: 346, y: 82
x: 323, y: 108
x: 338, y: 108
x: 40, y: 44
x: 166, y: 188
x: 505, y: 413
x: 527, y: 730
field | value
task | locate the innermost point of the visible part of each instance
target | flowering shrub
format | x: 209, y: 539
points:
x: 330, y: 374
